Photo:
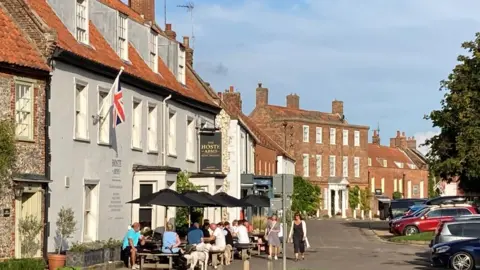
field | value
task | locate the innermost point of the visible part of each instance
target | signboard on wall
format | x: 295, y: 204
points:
x: 211, y: 152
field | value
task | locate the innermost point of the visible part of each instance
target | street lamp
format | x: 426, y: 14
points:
x: 18, y: 190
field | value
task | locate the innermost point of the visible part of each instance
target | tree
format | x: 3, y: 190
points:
x: 365, y: 199
x: 30, y: 228
x: 455, y: 151
x: 8, y: 153
x: 184, y: 184
x: 306, y: 196
x: 397, y: 195
x: 354, y: 199
x: 432, y: 191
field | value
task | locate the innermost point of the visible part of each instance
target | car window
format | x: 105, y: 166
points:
x: 463, y: 211
x: 471, y: 229
x: 456, y: 229
x: 449, y: 212
x: 434, y: 213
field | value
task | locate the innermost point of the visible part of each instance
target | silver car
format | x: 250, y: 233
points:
x: 459, y: 229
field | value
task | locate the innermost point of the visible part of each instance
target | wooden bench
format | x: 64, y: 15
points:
x: 156, y: 257
x: 215, y: 254
x: 245, y: 250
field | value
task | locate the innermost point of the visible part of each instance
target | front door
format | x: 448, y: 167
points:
x: 332, y: 203
x: 30, y: 208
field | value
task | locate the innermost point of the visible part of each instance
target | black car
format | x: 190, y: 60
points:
x: 446, y: 200
x: 399, y: 207
x: 458, y: 255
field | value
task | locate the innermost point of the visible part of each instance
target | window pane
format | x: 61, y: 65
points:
x: 436, y: 213
x: 455, y: 229
x: 145, y: 189
x: 449, y: 212
x: 471, y: 229
x: 145, y: 217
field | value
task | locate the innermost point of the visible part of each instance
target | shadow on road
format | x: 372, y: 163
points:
x: 368, y: 224
x: 420, y: 262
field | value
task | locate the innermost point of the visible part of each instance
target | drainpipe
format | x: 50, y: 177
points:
x: 164, y: 124
x: 48, y: 158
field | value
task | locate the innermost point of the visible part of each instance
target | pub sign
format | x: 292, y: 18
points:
x: 211, y: 152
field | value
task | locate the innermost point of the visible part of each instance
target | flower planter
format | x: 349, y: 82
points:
x: 86, y: 258
x: 56, y: 261
x: 112, y: 254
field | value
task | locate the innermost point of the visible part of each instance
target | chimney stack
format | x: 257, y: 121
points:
x: 188, y: 51
x: 293, y: 101
x: 233, y: 98
x: 261, y: 96
x: 412, y: 143
x: 146, y: 8
x: 169, y: 32
x: 399, y: 141
x: 337, y: 107
x: 376, y: 137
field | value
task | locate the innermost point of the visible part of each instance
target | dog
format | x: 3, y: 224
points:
x: 227, y: 256
x: 199, y: 256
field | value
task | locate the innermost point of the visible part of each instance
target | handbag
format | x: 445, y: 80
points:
x: 307, y: 244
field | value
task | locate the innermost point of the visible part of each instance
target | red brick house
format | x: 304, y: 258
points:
x: 330, y: 152
x: 399, y: 167
x: 24, y: 79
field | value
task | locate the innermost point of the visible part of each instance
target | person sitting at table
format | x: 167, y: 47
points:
x: 228, y: 242
x: 206, y: 234
x: 130, y: 243
x: 242, y: 233
x: 195, y: 234
x: 218, y: 238
x: 248, y: 226
x: 170, y: 241
x: 234, y: 228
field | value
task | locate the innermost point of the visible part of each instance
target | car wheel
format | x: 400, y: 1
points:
x: 409, y: 230
x: 462, y: 261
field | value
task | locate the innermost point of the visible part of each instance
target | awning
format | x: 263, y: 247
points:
x: 383, y: 199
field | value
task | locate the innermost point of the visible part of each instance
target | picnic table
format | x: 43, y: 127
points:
x: 155, y: 260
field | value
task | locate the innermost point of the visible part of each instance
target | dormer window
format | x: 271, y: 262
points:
x: 181, y: 65
x: 122, y: 45
x: 81, y: 22
x: 153, y: 61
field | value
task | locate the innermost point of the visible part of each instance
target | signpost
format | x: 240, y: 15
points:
x: 211, y: 152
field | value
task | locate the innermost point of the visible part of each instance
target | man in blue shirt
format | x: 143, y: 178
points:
x: 130, y: 243
x: 195, y: 234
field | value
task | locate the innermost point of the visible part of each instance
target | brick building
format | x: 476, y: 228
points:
x: 24, y: 76
x: 330, y: 152
x: 399, y: 167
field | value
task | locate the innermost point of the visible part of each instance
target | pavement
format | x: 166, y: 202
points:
x: 339, y: 244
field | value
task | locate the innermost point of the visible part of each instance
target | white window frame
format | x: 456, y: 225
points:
x: 152, y: 128
x: 356, y: 138
x: 345, y: 137
x: 385, y: 163
x: 190, y: 139
x: 24, y: 105
x: 172, y: 133
x: 306, y: 133
x: 122, y: 36
x: 182, y: 67
x: 306, y: 165
x: 382, y: 185
x: 93, y: 211
x: 333, y: 136
x: 369, y: 162
x: 356, y: 167
x: 372, y: 186
x: 153, y: 47
x: 332, y: 160
x: 104, y: 115
x: 319, y: 135
x: 318, y: 165
x: 80, y: 137
x: 345, y: 166
x: 137, y: 124
x: 82, y: 31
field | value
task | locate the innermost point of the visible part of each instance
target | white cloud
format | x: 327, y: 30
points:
x: 421, y: 137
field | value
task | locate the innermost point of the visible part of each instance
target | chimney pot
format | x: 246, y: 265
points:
x: 293, y: 101
x: 168, y: 27
x: 186, y: 42
x: 259, y: 84
x: 375, y: 132
x: 232, y: 89
x: 403, y: 134
x: 398, y: 133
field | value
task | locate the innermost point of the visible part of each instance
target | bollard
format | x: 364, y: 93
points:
x: 270, y: 265
x: 245, y: 259
x: 246, y: 265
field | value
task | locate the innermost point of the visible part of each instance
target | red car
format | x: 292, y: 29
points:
x: 430, y: 219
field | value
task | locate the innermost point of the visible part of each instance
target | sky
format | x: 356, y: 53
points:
x: 384, y: 59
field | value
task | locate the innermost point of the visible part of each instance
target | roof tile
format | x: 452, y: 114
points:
x: 391, y: 154
x: 280, y: 111
x: 15, y: 48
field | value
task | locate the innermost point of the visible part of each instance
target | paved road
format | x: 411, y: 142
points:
x: 339, y: 245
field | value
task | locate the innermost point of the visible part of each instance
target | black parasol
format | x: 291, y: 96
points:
x: 257, y: 200
x: 167, y: 197
x: 201, y: 198
x: 229, y: 201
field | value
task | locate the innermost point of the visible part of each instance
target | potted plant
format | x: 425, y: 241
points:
x: 66, y: 226
x: 30, y: 228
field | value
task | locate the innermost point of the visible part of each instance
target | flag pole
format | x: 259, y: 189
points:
x: 110, y: 95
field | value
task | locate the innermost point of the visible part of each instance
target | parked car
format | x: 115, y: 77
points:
x: 429, y: 220
x: 459, y: 255
x: 456, y: 230
x: 446, y: 200
x: 398, y: 207
x: 414, y: 208
x: 419, y: 212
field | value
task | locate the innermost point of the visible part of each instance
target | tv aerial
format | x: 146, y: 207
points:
x: 189, y: 6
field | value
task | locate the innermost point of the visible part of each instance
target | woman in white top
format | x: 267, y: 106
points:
x: 298, y: 233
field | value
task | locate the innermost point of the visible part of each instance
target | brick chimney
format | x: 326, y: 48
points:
x: 169, y: 32
x: 293, y: 101
x: 232, y: 98
x: 144, y: 7
x: 399, y: 141
x: 337, y: 107
x: 262, y: 96
x: 188, y: 51
x: 376, y: 137
x: 411, y: 143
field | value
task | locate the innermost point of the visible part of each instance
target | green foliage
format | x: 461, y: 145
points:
x: 455, y: 152
x: 432, y: 191
x: 69, y: 268
x: 426, y: 236
x: 397, y: 195
x: 8, y: 153
x: 365, y: 199
x: 97, y: 245
x: 30, y: 228
x: 184, y: 184
x: 23, y: 264
x: 306, y: 196
x: 353, y: 197
x: 66, y: 226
